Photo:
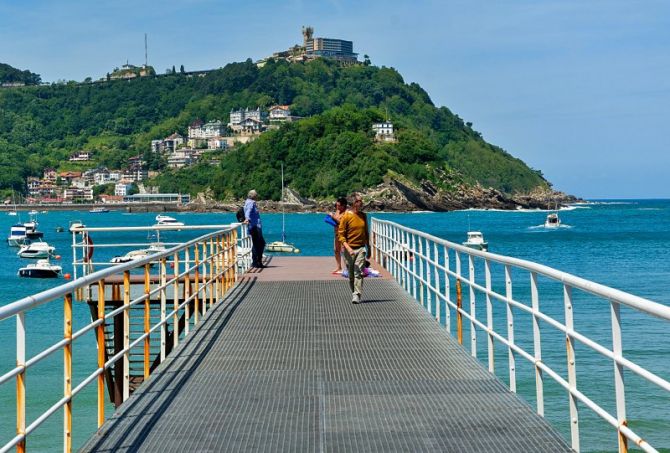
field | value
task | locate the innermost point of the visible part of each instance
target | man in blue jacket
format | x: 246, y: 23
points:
x: 253, y: 220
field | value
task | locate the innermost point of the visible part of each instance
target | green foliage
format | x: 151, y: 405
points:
x: 328, y: 153
x: 9, y: 74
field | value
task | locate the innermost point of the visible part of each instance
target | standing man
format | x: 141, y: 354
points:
x: 353, y: 234
x: 340, y: 208
x: 253, y: 220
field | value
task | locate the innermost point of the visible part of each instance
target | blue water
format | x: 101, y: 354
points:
x: 620, y: 244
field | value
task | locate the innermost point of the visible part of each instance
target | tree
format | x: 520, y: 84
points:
x: 181, y: 69
x: 366, y: 60
x: 174, y: 71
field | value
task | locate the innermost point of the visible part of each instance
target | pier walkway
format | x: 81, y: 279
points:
x: 287, y: 363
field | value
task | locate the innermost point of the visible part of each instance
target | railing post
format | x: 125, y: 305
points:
x: 233, y: 253
x: 101, y: 352
x: 196, y: 286
x: 147, y: 318
x: 489, y: 316
x: 572, y: 367
x: 219, y: 268
x: 21, y: 380
x: 459, y: 300
x: 438, y: 299
x: 429, y: 296
x: 187, y: 291
x: 510, y: 329
x: 416, y: 258
x: 126, y: 335
x: 163, y: 296
x: 421, y: 264
x: 447, y: 291
x: 473, y: 305
x: 537, y: 345
x: 619, y: 384
x: 67, y: 373
x: 175, y: 302
x: 213, y: 265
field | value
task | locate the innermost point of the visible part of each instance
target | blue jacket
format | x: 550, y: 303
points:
x: 251, y: 214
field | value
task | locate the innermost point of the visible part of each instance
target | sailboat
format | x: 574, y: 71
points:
x: 14, y: 203
x: 282, y: 246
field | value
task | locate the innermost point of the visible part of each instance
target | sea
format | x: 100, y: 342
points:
x: 618, y: 243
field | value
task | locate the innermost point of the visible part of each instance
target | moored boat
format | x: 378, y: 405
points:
x: 36, y: 250
x: 281, y: 246
x: 40, y: 269
x: 17, y: 235
x: 98, y: 210
x: 166, y: 220
x: 135, y: 255
x: 476, y: 241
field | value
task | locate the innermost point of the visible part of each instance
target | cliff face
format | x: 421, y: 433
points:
x: 398, y: 195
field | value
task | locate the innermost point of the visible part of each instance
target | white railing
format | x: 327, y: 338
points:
x: 432, y: 271
x: 189, y: 278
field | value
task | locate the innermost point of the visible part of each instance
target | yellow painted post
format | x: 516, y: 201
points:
x: 21, y: 380
x: 459, y: 316
x: 212, y: 265
x: 147, y: 318
x: 101, y: 353
x: 187, y: 290
x: 218, y: 251
x: 175, y: 302
x: 126, y: 335
x: 67, y: 372
x: 196, y: 289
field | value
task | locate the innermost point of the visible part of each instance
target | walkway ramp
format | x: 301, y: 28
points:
x: 287, y: 363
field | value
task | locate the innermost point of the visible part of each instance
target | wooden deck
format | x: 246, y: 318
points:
x: 287, y: 363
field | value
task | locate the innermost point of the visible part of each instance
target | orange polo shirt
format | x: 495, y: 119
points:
x: 353, y: 229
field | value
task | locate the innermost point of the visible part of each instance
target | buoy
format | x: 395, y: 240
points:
x: 57, y: 257
x: 66, y: 276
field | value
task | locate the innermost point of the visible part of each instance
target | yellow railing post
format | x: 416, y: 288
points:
x: 187, y: 290
x: 101, y: 352
x: 147, y: 319
x: 196, y: 286
x: 67, y: 372
x: 126, y: 335
x: 175, y: 302
x: 21, y: 380
x: 212, y: 266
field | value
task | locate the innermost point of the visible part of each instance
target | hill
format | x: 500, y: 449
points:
x: 10, y: 75
x: 331, y: 151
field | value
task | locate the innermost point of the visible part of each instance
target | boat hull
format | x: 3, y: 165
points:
x: 281, y: 247
x: 38, y: 273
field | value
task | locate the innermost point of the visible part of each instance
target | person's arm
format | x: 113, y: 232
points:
x: 247, y: 212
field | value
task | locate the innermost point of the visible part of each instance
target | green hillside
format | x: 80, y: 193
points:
x: 329, y: 152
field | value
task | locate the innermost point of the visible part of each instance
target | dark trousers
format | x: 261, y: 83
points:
x: 257, y: 247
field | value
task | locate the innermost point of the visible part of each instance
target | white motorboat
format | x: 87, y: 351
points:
x: 281, y: 246
x: 552, y: 221
x: 98, y: 210
x: 166, y: 220
x: 74, y: 224
x: 36, y: 250
x: 17, y: 235
x: 41, y: 269
x: 33, y: 212
x: 476, y: 241
x: 136, y: 255
x: 31, y: 230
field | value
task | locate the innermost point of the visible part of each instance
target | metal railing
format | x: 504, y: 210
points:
x: 432, y: 271
x: 189, y: 278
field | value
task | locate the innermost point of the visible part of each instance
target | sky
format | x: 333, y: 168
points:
x: 579, y: 89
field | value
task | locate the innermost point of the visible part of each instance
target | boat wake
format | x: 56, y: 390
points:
x: 544, y: 228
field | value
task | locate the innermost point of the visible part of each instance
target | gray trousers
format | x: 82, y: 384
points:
x: 355, y: 263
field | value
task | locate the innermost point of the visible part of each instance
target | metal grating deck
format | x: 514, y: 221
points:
x: 294, y: 366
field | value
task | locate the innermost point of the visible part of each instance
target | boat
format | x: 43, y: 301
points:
x: 40, y: 269
x: 17, y: 235
x: 59, y: 229
x: 36, y: 250
x: 552, y: 221
x: 476, y: 241
x: 13, y: 212
x: 31, y: 230
x: 135, y: 255
x: 166, y: 220
x: 282, y: 246
x: 75, y: 224
x: 33, y: 212
x: 98, y: 210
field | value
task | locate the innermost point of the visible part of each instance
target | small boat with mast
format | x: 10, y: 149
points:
x: 282, y: 246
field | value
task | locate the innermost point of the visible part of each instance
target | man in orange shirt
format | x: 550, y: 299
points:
x: 353, y: 234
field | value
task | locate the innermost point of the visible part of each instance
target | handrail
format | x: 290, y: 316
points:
x: 431, y: 269
x: 215, y: 265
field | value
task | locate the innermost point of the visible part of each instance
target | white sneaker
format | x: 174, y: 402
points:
x: 356, y: 298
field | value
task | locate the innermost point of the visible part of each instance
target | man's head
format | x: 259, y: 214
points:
x: 341, y: 204
x: 357, y: 202
x: 252, y: 194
